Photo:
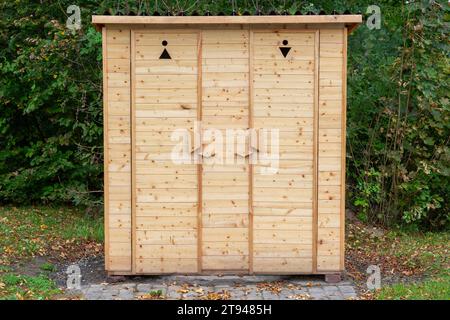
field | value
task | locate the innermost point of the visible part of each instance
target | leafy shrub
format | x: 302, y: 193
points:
x: 399, y: 121
x: 50, y: 115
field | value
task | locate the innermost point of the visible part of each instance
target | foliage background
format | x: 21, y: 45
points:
x: 398, y: 153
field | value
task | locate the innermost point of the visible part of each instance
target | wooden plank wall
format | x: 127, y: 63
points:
x: 331, y: 137
x: 280, y: 236
x: 116, y: 55
x: 225, y: 219
x: 166, y: 192
x: 284, y: 97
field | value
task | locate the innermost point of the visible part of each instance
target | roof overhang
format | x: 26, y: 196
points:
x: 350, y: 21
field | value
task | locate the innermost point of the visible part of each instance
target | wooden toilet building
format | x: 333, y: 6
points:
x: 199, y: 74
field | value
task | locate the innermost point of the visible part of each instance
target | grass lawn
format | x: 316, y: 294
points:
x: 419, y: 261
x: 427, y: 252
x: 18, y: 287
x: 60, y: 234
x: 437, y: 288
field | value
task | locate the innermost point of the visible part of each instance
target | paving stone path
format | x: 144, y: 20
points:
x: 225, y: 287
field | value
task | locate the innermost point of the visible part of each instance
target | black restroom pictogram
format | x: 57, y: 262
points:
x: 285, y: 50
x: 165, y: 54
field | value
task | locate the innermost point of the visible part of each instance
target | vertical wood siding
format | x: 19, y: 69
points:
x: 331, y: 135
x: 225, y: 218
x: 283, y: 202
x: 166, y: 193
x: 116, y: 55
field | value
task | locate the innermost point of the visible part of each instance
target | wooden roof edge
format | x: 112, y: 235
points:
x: 350, y: 20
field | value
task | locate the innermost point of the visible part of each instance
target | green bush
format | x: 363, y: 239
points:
x: 398, y: 118
x: 50, y: 97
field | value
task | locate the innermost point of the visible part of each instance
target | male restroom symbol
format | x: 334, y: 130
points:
x: 285, y: 50
x: 165, y: 54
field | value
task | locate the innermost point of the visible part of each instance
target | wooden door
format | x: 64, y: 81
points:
x: 284, y: 98
x: 225, y: 178
x: 165, y: 201
x: 223, y: 215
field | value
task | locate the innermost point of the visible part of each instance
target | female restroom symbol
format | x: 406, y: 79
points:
x: 285, y: 50
x: 165, y: 54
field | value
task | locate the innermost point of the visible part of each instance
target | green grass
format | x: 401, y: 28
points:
x: 427, y: 252
x: 48, y: 267
x: 404, y: 254
x: 27, y: 232
x: 85, y: 228
x: 19, y: 287
x: 30, y: 231
x: 435, y: 289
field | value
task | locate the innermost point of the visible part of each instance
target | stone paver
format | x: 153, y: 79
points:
x: 144, y: 287
x: 125, y: 294
x: 317, y: 293
x: 348, y: 292
x: 230, y: 287
x: 267, y: 295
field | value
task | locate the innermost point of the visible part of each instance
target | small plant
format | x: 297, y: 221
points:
x: 367, y: 194
x: 155, y: 293
x: 152, y: 295
x: 48, y: 267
